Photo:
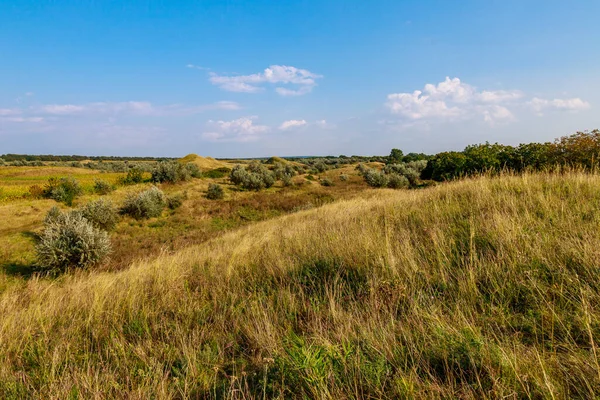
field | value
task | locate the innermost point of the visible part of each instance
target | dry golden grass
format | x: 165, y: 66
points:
x: 205, y: 163
x: 484, y: 288
x: 15, y: 182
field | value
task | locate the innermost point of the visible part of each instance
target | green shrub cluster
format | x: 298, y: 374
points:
x: 63, y: 190
x: 581, y: 150
x: 146, y: 204
x: 134, y: 176
x: 394, y: 176
x: 255, y: 177
x: 173, y: 172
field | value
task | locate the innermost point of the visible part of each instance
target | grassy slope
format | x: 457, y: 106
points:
x: 480, y: 288
x: 198, y: 220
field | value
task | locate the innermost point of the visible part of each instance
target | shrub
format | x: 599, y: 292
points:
x: 102, y: 187
x: 173, y: 172
x: 238, y: 175
x: 215, y: 192
x: 343, y: 177
x: 397, y: 181
x: 36, y: 191
x: 175, y: 201
x: 63, y: 190
x: 70, y: 241
x: 376, y: 178
x: 284, y: 172
x: 326, y: 182
x: 147, y: 204
x: 193, y: 170
x: 134, y: 175
x: 101, y: 213
x: 255, y: 177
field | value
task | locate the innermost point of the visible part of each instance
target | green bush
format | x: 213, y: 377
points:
x: 397, y: 181
x: 326, y: 182
x: 101, y: 213
x: 173, y: 172
x: 147, y: 204
x: 70, y: 241
x: 343, y: 177
x: 175, y: 201
x: 134, y: 175
x: 63, y: 190
x: 102, y: 187
x: 255, y: 177
x: 215, y: 192
x: 376, y: 178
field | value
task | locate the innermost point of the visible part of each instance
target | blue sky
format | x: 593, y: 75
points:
x: 261, y: 78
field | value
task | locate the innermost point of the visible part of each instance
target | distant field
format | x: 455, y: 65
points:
x: 16, y: 181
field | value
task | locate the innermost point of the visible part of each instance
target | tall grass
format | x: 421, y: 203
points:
x: 484, y: 288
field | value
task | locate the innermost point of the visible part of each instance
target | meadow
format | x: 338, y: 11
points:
x: 481, y: 288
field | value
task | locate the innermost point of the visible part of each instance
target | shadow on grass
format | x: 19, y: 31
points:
x: 19, y: 269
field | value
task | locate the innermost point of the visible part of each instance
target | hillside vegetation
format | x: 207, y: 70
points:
x: 481, y: 288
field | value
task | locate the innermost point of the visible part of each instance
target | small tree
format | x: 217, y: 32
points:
x: 396, y: 156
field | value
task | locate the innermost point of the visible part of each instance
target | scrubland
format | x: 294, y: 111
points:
x: 480, y: 288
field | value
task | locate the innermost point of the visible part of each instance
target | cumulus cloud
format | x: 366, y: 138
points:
x: 238, y: 130
x: 293, y: 123
x: 301, y: 81
x: 453, y: 100
x: 574, y: 104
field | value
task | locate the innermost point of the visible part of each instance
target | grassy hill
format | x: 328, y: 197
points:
x: 204, y: 163
x: 483, y: 288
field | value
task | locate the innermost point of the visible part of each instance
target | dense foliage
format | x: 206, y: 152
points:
x: 581, y: 150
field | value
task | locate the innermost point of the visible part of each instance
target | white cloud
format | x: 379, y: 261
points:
x: 9, y: 111
x: 573, y: 104
x: 302, y: 81
x: 238, y: 130
x: 323, y: 124
x: 453, y: 100
x: 22, y: 119
x: 293, y: 123
x: 494, y: 114
x: 140, y: 108
x: 197, y: 67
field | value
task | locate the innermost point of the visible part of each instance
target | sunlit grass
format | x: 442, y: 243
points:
x: 484, y: 288
x: 15, y: 182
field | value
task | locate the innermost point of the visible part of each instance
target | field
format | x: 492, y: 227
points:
x: 480, y: 288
